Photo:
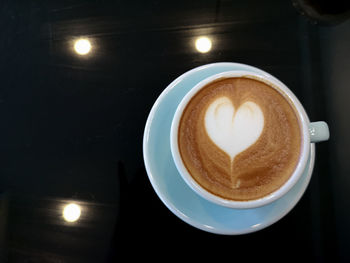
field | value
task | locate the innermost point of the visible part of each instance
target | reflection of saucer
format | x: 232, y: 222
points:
x: 175, y: 193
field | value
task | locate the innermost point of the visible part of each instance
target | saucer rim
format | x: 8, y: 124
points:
x: 170, y: 205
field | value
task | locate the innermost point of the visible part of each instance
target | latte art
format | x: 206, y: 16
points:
x: 233, y: 131
x: 239, y: 138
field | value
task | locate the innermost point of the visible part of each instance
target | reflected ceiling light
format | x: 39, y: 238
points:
x: 82, y: 46
x: 71, y: 212
x: 203, y: 44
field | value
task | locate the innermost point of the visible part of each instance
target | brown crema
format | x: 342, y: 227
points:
x: 257, y: 171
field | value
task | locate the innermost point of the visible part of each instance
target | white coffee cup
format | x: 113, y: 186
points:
x: 311, y: 133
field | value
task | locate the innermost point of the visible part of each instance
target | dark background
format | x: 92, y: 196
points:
x: 71, y: 126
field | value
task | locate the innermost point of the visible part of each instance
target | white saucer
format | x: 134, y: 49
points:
x: 175, y: 193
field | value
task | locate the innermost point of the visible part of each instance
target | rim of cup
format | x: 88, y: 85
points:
x: 305, y: 143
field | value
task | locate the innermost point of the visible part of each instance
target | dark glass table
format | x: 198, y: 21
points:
x: 72, y: 126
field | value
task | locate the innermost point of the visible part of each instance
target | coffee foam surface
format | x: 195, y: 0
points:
x: 239, y: 138
x: 232, y: 130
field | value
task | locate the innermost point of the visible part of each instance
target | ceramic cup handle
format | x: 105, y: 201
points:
x: 319, y: 131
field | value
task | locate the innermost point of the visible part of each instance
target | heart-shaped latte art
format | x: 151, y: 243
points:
x: 233, y: 131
